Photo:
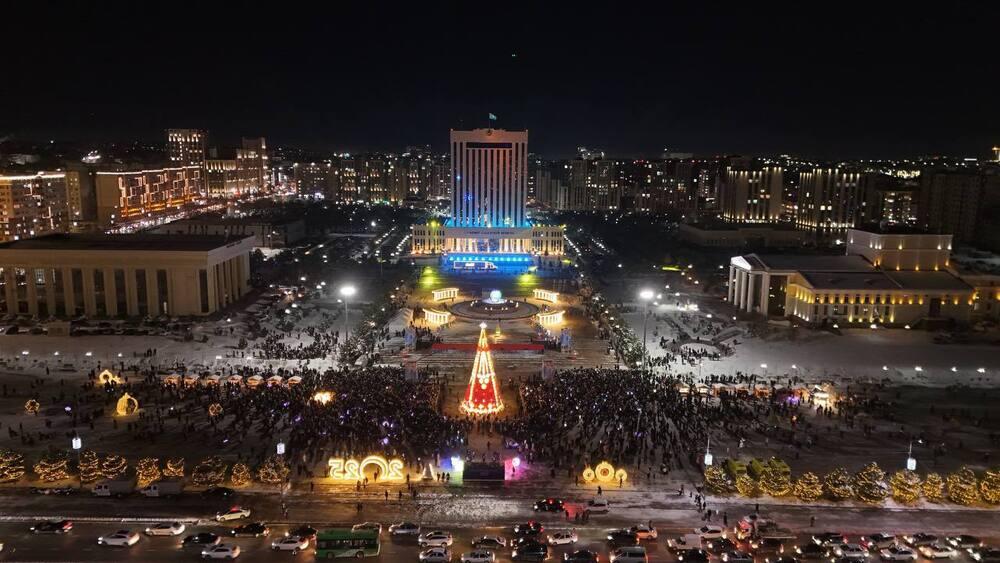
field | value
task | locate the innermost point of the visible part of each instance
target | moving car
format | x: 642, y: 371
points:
x: 234, y: 513
x: 404, y: 529
x: 121, y: 538
x: 218, y: 492
x: 374, y: 526
x: 938, y: 550
x: 478, y: 556
x: 693, y: 556
x: 598, y: 505
x: 720, y: 545
x: 829, y: 539
x: 630, y: 554
x: 922, y: 538
x: 221, y: 551
x: 530, y: 528
x: 877, y: 541
x: 52, y: 527
x: 166, y: 529
x: 784, y: 559
x: 687, y: 541
x: 530, y: 551
x: 305, y: 532
x: 710, y: 532
x: 984, y: 554
x: 622, y: 537
x: 851, y: 551
x: 562, y: 538
x: 581, y: 556
x: 812, y: 551
x: 964, y: 541
x: 436, y: 538
x: 201, y: 539
x: 550, y: 505
x: 767, y: 545
x: 251, y: 530
x: 898, y: 553
x: 644, y: 532
x: 489, y: 542
x: 436, y: 555
x: 294, y: 544
x: 737, y: 556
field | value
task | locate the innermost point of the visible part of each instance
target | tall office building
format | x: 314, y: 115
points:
x: 489, y: 226
x: 831, y: 200
x: 751, y: 194
x: 490, y: 175
x: 186, y: 147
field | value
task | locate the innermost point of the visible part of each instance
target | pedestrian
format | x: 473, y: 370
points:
x: 812, y: 521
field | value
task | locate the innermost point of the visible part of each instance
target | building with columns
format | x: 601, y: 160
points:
x: 71, y: 275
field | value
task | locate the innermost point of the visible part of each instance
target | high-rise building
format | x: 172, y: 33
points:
x: 751, y: 194
x: 490, y: 170
x: 951, y: 202
x: 35, y: 204
x: 186, y: 147
x: 831, y: 200
x: 315, y: 178
x: 252, y: 165
x: 144, y: 193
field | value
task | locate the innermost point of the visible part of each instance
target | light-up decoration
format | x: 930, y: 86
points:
x: 444, y: 293
x: 496, y: 296
x: 436, y: 317
x: 214, y: 410
x: 604, y: 473
x: 32, y: 406
x: 457, y: 464
x: 353, y: 470
x: 107, y: 376
x: 323, y: 397
x: 545, y: 295
x: 482, y: 395
x: 550, y: 318
x: 127, y: 405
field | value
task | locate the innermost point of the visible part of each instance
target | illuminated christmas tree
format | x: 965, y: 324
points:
x: 482, y: 396
x: 808, y: 487
x: 90, y: 466
x: 747, y: 486
x: 775, y: 482
x: 240, y: 475
x: 174, y: 468
x: 274, y: 470
x: 963, y: 487
x: 869, y: 484
x: 147, y: 470
x: 718, y: 481
x: 905, y: 486
x: 837, y: 484
x: 11, y: 466
x: 113, y: 466
x: 989, y: 487
x: 933, y: 488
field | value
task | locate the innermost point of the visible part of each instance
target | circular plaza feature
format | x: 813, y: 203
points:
x: 495, y: 306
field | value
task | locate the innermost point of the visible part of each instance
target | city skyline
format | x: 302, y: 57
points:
x: 747, y: 81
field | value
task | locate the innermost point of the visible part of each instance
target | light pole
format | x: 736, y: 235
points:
x: 646, y: 295
x: 346, y: 292
x: 911, y: 462
x: 77, y: 444
x: 708, y: 452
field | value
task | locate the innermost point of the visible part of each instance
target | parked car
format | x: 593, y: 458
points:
x: 218, y: 492
x: 549, y: 505
x: 598, y: 505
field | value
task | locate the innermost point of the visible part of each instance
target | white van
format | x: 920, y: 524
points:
x: 630, y: 554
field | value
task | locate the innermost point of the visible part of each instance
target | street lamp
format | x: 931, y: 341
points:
x: 646, y: 295
x: 911, y: 462
x: 280, y: 448
x: 708, y: 452
x: 347, y: 291
x: 77, y: 444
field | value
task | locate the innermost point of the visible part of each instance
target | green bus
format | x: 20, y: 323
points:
x: 345, y: 542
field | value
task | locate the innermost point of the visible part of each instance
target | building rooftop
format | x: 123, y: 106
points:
x: 137, y: 242
x: 849, y: 280
x: 942, y: 281
x: 812, y: 263
x: 894, y: 229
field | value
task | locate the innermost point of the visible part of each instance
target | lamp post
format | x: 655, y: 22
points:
x: 911, y: 462
x: 347, y: 291
x: 708, y: 452
x: 280, y: 448
x: 646, y: 295
x: 77, y: 444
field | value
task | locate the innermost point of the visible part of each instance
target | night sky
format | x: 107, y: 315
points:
x: 818, y: 80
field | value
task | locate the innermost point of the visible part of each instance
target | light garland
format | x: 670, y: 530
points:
x: 747, y: 486
x: 113, y: 466
x: 808, y: 487
x: 605, y: 473
x: 174, y: 467
x: 482, y: 395
x: 905, y: 486
x: 52, y: 467
x: 240, y: 475
x: 322, y: 397
x: 718, y: 481
x: 32, y: 406
x: 837, y: 484
x: 963, y: 487
x: 933, y: 488
x: 214, y: 410
x: 127, y: 405
x: 89, y: 466
x: 147, y: 471
x: 989, y: 486
x: 11, y: 466
x: 353, y: 470
x: 273, y: 471
x: 211, y: 471
x: 775, y: 482
x: 869, y: 484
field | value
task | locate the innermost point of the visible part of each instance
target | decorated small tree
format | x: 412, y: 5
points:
x: 717, y: 480
x: 775, y: 482
x: 113, y: 466
x: 933, y: 488
x: 989, y: 487
x: 52, y: 467
x: 808, y: 487
x: 747, y: 486
x: 273, y: 471
x: 905, y: 486
x: 174, y: 467
x: 869, y: 484
x: 147, y: 471
x: 211, y: 471
x: 963, y: 487
x: 837, y: 485
x: 240, y: 475
x: 90, y: 466
x: 11, y: 466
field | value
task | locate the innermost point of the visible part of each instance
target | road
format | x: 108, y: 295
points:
x: 466, y: 517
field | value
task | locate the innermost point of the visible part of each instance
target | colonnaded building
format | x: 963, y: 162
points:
x: 489, y: 227
x: 887, y: 277
x: 71, y: 275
